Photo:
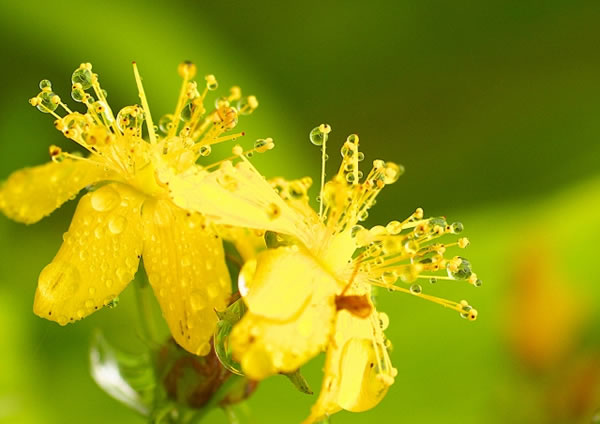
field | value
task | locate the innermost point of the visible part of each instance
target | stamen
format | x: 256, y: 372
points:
x: 318, y: 136
x: 149, y: 123
x: 219, y: 140
x: 187, y: 70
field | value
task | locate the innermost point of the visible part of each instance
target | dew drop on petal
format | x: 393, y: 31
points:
x: 116, y: 224
x: 197, y: 301
x: 203, y: 350
x: 105, y: 199
x: 58, y: 280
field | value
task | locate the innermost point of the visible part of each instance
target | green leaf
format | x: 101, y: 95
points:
x: 228, y: 319
x: 128, y: 378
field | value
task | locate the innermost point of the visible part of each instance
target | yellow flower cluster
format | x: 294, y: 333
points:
x: 309, y: 276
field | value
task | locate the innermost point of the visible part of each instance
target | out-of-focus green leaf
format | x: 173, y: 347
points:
x: 129, y: 378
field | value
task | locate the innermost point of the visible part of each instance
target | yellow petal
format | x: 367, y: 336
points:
x: 356, y: 376
x: 291, y: 302
x: 361, y: 386
x: 98, y: 258
x: 185, y: 263
x: 239, y: 196
x: 281, y: 283
x: 247, y: 242
x: 33, y: 193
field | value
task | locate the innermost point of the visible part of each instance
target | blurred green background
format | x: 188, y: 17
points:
x: 492, y: 107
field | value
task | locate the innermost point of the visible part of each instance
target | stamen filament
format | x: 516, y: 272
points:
x: 148, y: 116
x: 321, y: 192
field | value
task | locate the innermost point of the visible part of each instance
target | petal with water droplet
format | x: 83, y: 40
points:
x: 173, y: 251
x: 73, y: 285
x: 30, y: 194
x: 291, y: 310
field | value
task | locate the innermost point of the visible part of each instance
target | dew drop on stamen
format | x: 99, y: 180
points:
x: 317, y: 136
x: 384, y: 321
x: 165, y: 123
x: 82, y: 76
x: 205, y: 150
x: 45, y: 85
x: 415, y: 289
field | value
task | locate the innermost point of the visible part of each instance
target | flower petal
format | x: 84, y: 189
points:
x: 236, y: 195
x: 353, y: 379
x: 185, y: 263
x: 98, y: 258
x: 247, y: 242
x: 291, y: 302
x: 33, y: 193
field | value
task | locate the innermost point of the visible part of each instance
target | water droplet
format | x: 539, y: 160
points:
x: 204, y: 349
x: 459, y: 268
x: 83, y: 76
x: 392, y: 172
x: 99, y: 232
x: 352, y: 138
x: 384, y: 321
x: 102, y: 111
x: 457, y: 227
x: 45, y: 85
x: 116, y: 224
x: 415, y: 289
x: 246, y: 276
x: 105, y: 199
x: 389, y: 277
x: 319, y: 134
x: 112, y: 302
x: 47, y: 101
x: 78, y: 95
x: 433, y: 280
x: 130, y: 119
x: 123, y: 275
x: 58, y: 280
x: 211, y: 82
x: 247, y: 105
x: 165, y: 123
x: 205, y: 150
x: 394, y: 227
x: 198, y: 301
x: 213, y: 290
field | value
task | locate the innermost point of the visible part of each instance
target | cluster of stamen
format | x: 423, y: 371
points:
x: 116, y: 140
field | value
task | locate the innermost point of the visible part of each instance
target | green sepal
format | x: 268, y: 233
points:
x: 299, y: 381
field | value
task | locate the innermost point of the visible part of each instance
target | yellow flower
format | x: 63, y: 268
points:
x: 128, y: 214
x: 313, y: 289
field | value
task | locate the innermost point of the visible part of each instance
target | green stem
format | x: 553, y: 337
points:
x: 142, y: 288
x: 219, y: 395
